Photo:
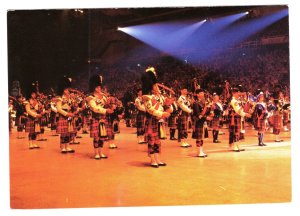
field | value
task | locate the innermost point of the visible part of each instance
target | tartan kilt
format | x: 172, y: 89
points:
x: 260, y: 124
x: 235, y: 126
x: 215, y: 123
x: 30, y: 126
x: 140, y: 123
x: 151, y: 130
x: 277, y: 120
x: 62, y: 125
x: 95, y: 130
x: 198, y: 131
x: 182, y: 123
x: 172, y: 122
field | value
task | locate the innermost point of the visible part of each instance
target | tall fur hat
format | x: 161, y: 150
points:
x: 148, y: 80
x: 64, y: 82
x: 95, y: 81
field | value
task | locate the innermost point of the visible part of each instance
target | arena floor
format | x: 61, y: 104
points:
x: 45, y: 178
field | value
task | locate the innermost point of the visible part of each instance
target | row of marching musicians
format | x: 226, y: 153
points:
x: 99, y: 110
x: 155, y: 109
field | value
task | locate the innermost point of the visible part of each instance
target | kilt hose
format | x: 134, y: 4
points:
x: 182, y: 126
x: 234, y: 128
x: 140, y: 123
x: 277, y: 122
x: 152, y: 135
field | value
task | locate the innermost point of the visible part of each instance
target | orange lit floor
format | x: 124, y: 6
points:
x: 45, y: 178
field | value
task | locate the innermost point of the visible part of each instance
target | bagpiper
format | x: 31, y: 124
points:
x: 201, y: 113
x: 260, y: 115
x: 217, y: 112
x: 63, y: 105
x: 185, y: 111
x: 32, y: 108
x: 141, y: 117
x: 235, y: 113
x: 99, y: 129
x: 155, y: 111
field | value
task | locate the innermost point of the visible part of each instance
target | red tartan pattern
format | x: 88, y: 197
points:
x: 151, y: 131
x: 215, y: 123
x: 182, y: 123
x: 277, y: 120
x: 94, y: 129
x: 260, y: 124
x: 236, y: 126
x: 198, y: 133
x: 29, y: 127
x: 62, y: 125
x: 172, y: 122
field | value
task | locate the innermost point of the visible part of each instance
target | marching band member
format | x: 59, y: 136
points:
x: 201, y: 113
x: 184, y: 105
x: 33, y: 115
x: 53, y: 118
x: 140, y: 118
x: 111, y: 103
x: 63, y: 105
x: 277, y: 116
x: 20, y: 116
x: 155, y: 111
x: 99, y: 125
x: 172, y: 120
x: 260, y: 116
x: 217, y: 111
x: 235, y: 114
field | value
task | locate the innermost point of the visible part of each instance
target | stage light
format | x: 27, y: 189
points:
x: 204, y: 20
x: 247, y: 12
x: 119, y: 29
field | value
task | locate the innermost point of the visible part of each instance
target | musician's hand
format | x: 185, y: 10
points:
x: 169, y: 110
x: 248, y: 115
x: 165, y: 115
x: 109, y: 111
x: 70, y: 114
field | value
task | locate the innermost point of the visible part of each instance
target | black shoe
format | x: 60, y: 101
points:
x: 216, y: 141
x: 79, y: 137
x: 162, y: 164
x: 202, y: 156
x: 154, y: 165
x: 238, y: 150
x: 71, y: 151
x: 74, y: 143
x: 104, y: 157
x: 262, y: 144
